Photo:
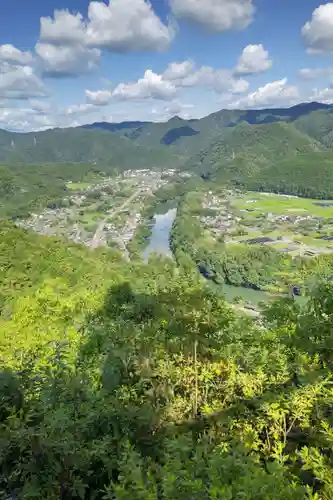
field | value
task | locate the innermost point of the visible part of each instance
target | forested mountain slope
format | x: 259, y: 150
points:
x: 79, y: 146
x: 309, y: 175
x: 131, y: 381
x: 155, y: 144
x: 190, y: 136
x: 253, y: 145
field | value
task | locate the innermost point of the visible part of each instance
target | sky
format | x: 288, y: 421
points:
x: 65, y: 63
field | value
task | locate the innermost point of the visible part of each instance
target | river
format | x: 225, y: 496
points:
x: 159, y: 243
x: 159, y: 239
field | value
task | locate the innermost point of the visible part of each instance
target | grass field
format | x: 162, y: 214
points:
x: 296, y: 225
x: 78, y: 186
x: 279, y: 204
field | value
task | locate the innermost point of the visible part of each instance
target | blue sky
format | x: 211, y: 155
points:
x: 69, y: 62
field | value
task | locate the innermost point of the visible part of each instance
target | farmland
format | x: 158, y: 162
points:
x: 297, y: 226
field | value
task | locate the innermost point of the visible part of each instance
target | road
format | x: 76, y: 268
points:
x: 95, y: 242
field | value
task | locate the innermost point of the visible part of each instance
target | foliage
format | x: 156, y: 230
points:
x: 308, y: 175
x: 78, y: 145
x: 131, y: 381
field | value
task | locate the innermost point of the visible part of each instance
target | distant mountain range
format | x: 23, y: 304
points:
x: 231, y: 145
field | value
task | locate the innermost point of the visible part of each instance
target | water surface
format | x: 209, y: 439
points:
x: 159, y: 240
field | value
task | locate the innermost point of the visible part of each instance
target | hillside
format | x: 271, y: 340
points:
x: 139, y: 144
x: 227, y: 145
x: 245, y: 149
x: 78, y: 146
x: 318, y: 125
x: 134, y: 381
x: 309, y: 175
x: 26, y: 188
x: 191, y: 136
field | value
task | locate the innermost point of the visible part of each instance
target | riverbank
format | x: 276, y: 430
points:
x: 160, y: 234
x: 159, y: 242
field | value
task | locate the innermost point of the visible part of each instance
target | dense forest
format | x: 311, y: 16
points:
x: 308, y: 175
x: 137, y: 382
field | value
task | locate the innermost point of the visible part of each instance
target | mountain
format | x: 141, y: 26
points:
x: 78, y: 145
x: 272, y: 157
x: 229, y: 145
x: 188, y: 137
x: 139, y: 144
x: 254, y: 146
x: 115, y: 127
x: 309, y: 175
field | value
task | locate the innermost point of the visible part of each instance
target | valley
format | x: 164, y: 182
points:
x: 166, y: 308
x: 103, y: 213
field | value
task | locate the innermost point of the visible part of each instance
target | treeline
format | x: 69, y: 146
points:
x: 27, y: 188
x: 308, y: 176
x: 130, y: 381
x: 259, y: 267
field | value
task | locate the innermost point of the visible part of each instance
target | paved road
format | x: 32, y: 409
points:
x: 100, y: 230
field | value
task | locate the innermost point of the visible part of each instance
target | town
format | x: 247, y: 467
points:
x: 102, y: 213
x: 297, y: 226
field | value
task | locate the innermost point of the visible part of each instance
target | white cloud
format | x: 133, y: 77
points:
x: 215, y: 15
x: 64, y: 29
x: 313, y: 73
x: 78, y: 109
x: 58, y: 60
x: 318, y: 33
x: 20, y: 82
x: 41, y: 107
x: 122, y: 25
x: 162, y: 114
x: 127, y: 25
x: 178, y: 76
x: 151, y: 85
x: 98, y: 97
x: 12, y: 55
x: 179, y: 71
x: 220, y: 80
x: 24, y: 119
x: 254, y: 59
x: 324, y: 96
x: 186, y: 74
x: 277, y: 93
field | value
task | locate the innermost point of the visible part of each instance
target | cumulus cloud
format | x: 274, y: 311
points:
x: 186, y: 74
x: 313, y: 73
x: 63, y: 29
x: 127, y: 25
x: 277, y: 93
x: 12, y: 55
x: 215, y: 15
x: 58, y: 60
x: 324, y: 96
x: 151, y: 85
x: 318, y: 33
x: 220, y: 80
x: 165, y: 113
x: 41, y: 107
x: 179, y: 70
x: 177, y: 76
x: 98, y: 97
x: 20, y: 82
x: 79, y: 109
x: 254, y: 59
x: 24, y: 119
x: 121, y: 25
